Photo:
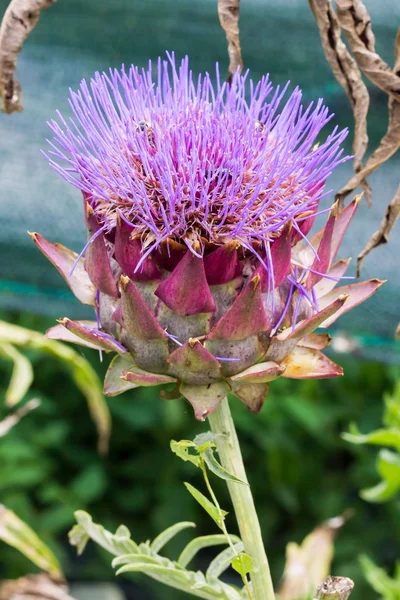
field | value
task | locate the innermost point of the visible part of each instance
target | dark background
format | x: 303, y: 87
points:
x: 300, y: 469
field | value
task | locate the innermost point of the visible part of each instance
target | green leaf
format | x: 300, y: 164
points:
x: 223, y: 561
x: 379, y: 579
x: 391, y: 417
x: 243, y: 564
x: 389, y: 469
x: 380, y: 437
x: 142, y: 558
x: 178, y: 579
x: 206, y: 446
x: 205, y: 541
x: 181, y: 449
x: 127, y: 559
x: 218, y: 469
x: 82, y: 372
x: 216, y: 514
x: 165, y: 536
x: 117, y: 544
x: 19, y: 535
x: 22, y: 375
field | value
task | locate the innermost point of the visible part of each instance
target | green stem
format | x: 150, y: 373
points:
x: 223, y: 526
x: 231, y: 458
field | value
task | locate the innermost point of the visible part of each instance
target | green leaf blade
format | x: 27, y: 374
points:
x: 165, y: 536
x: 201, y: 542
x: 216, y: 514
x: 16, y: 533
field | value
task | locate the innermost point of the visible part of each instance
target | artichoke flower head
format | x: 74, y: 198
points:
x: 198, y: 200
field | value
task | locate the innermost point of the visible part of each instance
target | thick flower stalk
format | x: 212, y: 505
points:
x: 198, y: 199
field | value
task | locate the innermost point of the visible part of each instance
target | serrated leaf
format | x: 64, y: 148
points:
x: 181, y: 449
x: 142, y: 558
x: 216, y: 514
x: 205, y: 541
x: 243, y: 564
x: 117, y: 544
x: 223, y: 561
x: 22, y: 375
x: 165, y: 536
x: 16, y: 533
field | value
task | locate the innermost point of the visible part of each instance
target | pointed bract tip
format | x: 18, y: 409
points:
x: 63, y: 320
x: 256, y: 281
x: 335, y: 210
x: 33, y: 235
x: 192, y: 342
x: 343, y: 297
x: 196, y: 246
x: 124, y: 280
x: 89, y: 210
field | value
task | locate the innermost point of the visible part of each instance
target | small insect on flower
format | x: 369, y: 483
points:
x: 198, y: 199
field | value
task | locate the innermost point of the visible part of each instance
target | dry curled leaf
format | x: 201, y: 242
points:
x: 353, y: 17
x: 34, y: 587
x: 356, y: 23
x: 228, y: 12
x: 390, y: 142
x: 382, y: 235
x: 347, y: 73
x: 19, y: 20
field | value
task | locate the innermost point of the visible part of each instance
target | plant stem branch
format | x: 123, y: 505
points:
x: 223, y: 526
x: 231, y: 458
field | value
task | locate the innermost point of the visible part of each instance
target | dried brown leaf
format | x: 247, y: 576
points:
x: 347, y: 73
x: 19, y: 20
x: 382, y: 235
x: 228, y: 12
x: 34, y: 587
x: 356, y: 23
x: 388, y: 145
x: 308, y: 564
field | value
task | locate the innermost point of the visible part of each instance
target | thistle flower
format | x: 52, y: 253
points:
x: 198, y: 200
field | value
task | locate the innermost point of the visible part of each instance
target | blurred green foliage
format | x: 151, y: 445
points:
x: 388, y: 462
x: 301, y: 470
x: 387, y: 587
